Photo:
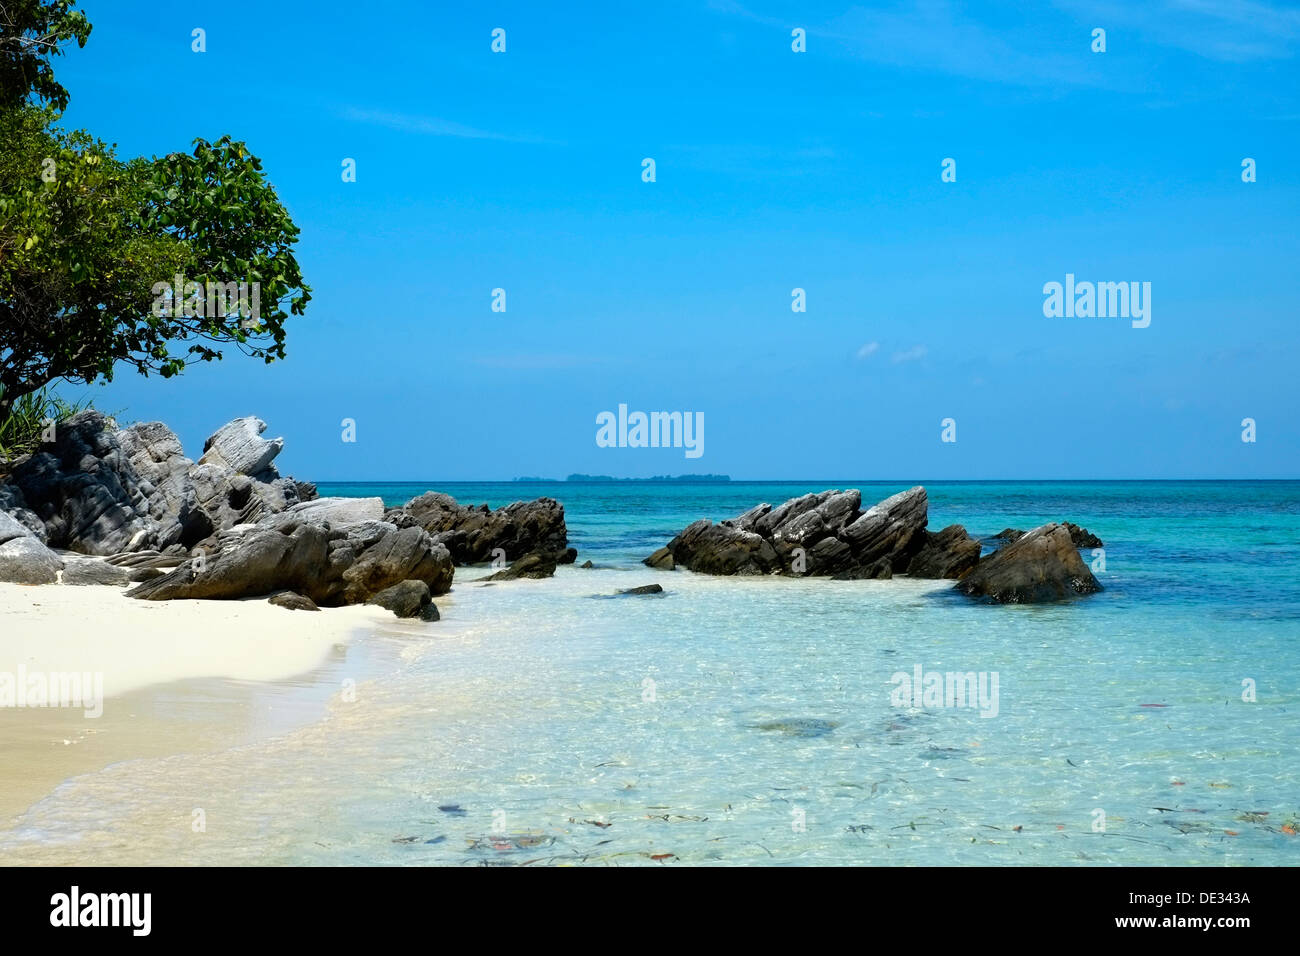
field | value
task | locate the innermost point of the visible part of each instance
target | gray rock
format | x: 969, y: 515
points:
x: 340, y: 510
x: 472, y: 534
x: 24, y: 560
x: 405, y: 599
x: 84, y: 490
x: 14, y: 505
x: 99, y: 490
x: 162, y: 471
x: 535, y: 565
x: 11, y: 527
x: 888, y: 528
x: 292, y: 601
x: 948, y: 554
x: 663, y: 559
x: 1043, y: 565
x: 879, y: 570
x: 330, y: 565
x: 239, y: 447
x: 94, y: 571
x: 1082, y: 537
x: 722, y: 549
x: 815, y: 534
x: 644, y: 589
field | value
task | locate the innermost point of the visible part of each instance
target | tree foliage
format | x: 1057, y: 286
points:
x: 86, y: 239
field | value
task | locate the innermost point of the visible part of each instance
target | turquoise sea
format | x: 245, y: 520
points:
x: 742, y: 720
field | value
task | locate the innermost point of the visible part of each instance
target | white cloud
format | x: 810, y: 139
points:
x: 868, y: 350
x: 428, y: 125
x: 914, y: 354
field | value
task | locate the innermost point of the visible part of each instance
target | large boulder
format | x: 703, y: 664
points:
x: 407, y: 599
x: 238, y: 446
x: 24, y: 560
x: 723, y: 549
x: 473, y: 534
x: 82, y: 571
x: 1042, y: 565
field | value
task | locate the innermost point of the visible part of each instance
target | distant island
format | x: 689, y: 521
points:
x: 692, y: 479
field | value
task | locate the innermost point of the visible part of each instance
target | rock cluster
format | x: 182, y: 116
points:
x: 823, y: 534
x: 827, y: 534
x: 125, y: 505
x: 98, y: 489
x: 530, y: 534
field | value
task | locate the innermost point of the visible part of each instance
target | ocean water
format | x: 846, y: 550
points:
x: 741, y: 720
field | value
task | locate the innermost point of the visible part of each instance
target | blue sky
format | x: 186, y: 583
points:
x: 775, y: 170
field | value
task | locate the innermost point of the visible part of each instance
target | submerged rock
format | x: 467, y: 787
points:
x: 800, y: 727
x: 1043, y: 565
x: 644, y: 589
x: 533, y: 565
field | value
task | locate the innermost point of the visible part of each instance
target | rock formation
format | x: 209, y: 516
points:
x: 1041, y: 565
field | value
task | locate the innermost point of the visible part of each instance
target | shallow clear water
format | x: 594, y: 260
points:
x: 524, y: 726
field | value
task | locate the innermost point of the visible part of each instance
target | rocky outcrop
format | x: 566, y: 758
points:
x: 473, y: 534
x: 100, y: 490
x: 1042, y: 565
x: 331, y: 564
x: 816, y: 534
x: 407, y: 599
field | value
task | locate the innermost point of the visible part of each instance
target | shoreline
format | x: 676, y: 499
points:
x: 177, y: 676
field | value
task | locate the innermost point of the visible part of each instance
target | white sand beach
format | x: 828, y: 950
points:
x: 176, y: 676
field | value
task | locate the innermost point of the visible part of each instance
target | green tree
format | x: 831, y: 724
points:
x: 87, y: 239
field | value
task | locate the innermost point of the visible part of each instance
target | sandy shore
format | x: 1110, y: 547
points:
x: 176, y: 676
